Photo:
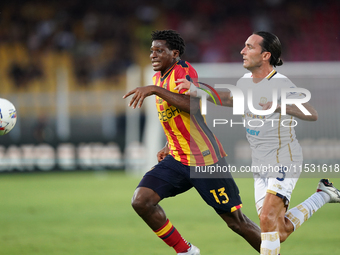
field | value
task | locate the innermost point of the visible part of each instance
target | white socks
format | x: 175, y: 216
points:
x: 270, y: 243
x: 305, y: 210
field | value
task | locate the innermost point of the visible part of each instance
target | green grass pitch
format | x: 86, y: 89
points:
x: 89, y: 213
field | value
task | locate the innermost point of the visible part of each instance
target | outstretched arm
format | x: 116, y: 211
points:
x: 294, y: 111
x: 182, y: 102
x: 226, y: 99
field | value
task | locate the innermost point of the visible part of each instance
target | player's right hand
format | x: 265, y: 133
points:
x: 183, y: 84
x: 268, y: 105
x: 139, y: 94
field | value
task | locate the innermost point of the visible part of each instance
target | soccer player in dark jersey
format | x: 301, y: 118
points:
x: 190, y: 143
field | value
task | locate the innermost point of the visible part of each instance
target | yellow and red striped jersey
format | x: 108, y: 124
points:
x: 189, y: 139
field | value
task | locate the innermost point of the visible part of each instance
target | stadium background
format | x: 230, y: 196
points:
x: 66, y: 64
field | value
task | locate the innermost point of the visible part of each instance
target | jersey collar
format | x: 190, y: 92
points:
x: 271, y: 74
x: 168, y: 72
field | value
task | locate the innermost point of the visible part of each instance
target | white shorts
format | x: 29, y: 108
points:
x: 279, y: 180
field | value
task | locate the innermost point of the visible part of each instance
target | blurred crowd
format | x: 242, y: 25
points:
x: 309, y: 30
x: 104, y: 37
x: 96, y: 33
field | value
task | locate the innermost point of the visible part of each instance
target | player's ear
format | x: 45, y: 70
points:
x: 266, y: 55
x: 175, y: 53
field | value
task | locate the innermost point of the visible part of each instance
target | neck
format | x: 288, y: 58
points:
x: 261, y: 73
x: 167, y: 69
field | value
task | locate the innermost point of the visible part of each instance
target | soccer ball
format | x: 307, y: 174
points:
x: 8, y: 116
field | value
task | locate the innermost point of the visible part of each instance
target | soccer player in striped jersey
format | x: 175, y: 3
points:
x: 274, y: 145
x: 190, y: 143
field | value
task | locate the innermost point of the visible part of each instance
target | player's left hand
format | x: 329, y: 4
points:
x: 163, y: 153
x: 140, y: 94
x: 268, y: 105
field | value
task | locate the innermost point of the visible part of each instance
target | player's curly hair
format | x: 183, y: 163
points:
x: 173, y: 40
x: 272, y: 44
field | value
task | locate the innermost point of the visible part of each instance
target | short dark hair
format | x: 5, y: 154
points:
x: 173, y: 39
x: 272, y: 44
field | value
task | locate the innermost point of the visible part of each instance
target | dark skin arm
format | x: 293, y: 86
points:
x: 182, y: 102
